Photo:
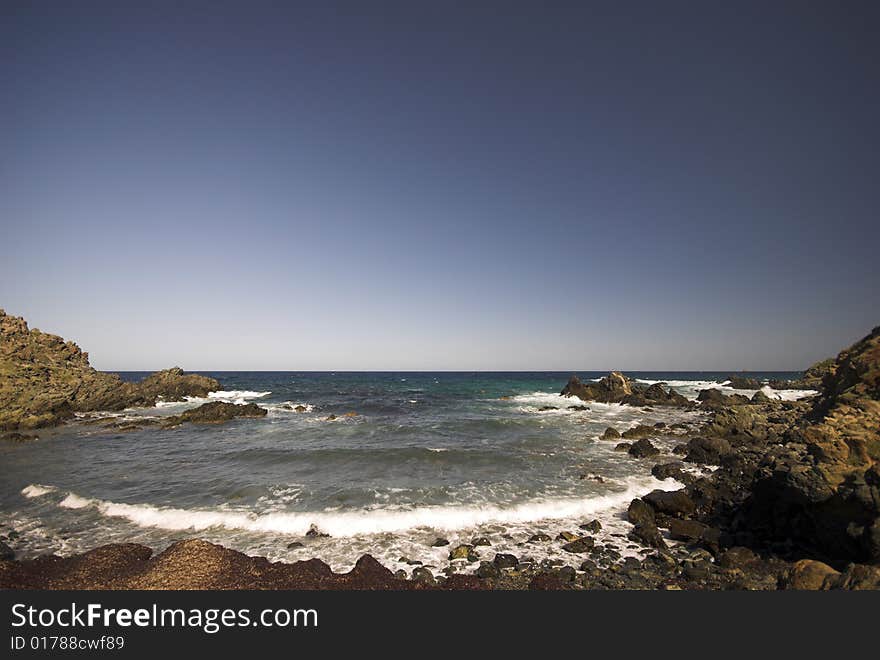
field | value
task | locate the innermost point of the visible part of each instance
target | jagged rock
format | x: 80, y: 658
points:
x: 44, y: 380
x: 617, y: 388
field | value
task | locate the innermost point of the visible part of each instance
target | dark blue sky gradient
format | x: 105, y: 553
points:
x: 442, y: 185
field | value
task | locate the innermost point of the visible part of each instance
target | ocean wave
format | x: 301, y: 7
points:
x: 366, y: 521
x: 228, y: 396
x: 37, y: 490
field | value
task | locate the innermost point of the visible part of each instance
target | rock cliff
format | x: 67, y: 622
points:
x: 45, y: 380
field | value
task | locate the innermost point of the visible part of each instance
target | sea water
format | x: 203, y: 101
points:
x: 425, y: 455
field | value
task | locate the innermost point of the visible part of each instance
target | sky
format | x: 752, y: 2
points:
x: 433, y: 186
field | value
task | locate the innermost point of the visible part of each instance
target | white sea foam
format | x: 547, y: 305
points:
x: 237, y: 394
x: 37, y: 490
x: 74, y: 501
x: 229, y: 396
x: 366, y: 521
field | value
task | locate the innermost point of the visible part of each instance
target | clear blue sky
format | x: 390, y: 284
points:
x: 442, y: 185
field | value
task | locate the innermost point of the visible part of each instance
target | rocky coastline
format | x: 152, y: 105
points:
x: 790, y: 498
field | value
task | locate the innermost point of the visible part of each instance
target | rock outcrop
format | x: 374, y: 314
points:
x: 217, y: 412
x: 797, y: 479
x: 45, y: 380
x: 617, y: 388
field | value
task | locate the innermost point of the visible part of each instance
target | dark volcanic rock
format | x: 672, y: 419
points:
x: 671, y: 502
x: 672, y: 471
x: 610, y: 433
x: 6, y: 553
x: 744, y: 383
x: 649, y: 535
x: 617, y: 388
x: 643, y: 449
x: 217, y: 412
x: 584, y: 544
x: 502, y: 560
x: 640, y: 513
x: 639, y: 431
x: 707, y: 450
x: 686, y: 530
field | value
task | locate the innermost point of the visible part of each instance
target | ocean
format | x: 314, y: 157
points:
x: 425, y: 455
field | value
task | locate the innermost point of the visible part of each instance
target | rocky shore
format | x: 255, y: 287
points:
x: 787, y: 497
x: 45, y: 381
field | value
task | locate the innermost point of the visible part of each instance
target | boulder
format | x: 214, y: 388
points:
x: 581, y: 545
x: 464, y: 551
x: 423, y: 575
x: 673, y: 470
x: 640, y: 513
x: 707, y: 450
x: 649, y: 535
x: 643, y: 449
x: 670, y: 502
x: 639, y: 431
x: 503, y: 560
x: 610, y: 433
x: 809, y: 574
x: 686, y: 530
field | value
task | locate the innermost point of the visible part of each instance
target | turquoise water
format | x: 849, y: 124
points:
x: 426, y: 454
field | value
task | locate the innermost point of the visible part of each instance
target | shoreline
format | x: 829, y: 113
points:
x: 788, y: 496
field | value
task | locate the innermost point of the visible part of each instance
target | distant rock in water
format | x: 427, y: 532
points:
x: 744, y: 383
x: 617, y: 388
x: 217, y: 412
x: 44, y: 380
